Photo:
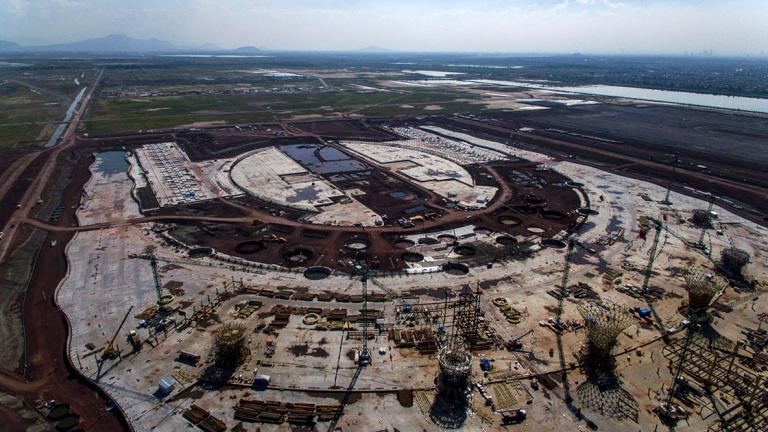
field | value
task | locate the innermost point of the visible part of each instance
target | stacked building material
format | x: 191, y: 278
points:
x: 204, y: 420
x: 279, y: 412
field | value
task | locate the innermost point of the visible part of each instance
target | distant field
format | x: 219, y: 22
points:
x: 34, y: 97
x: 23, y: 114
x: 133, y: 113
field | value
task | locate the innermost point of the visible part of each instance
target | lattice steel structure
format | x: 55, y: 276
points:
x: 455, y: 369
x: 734, y: 260
x: 604, y: 322
x: 466, y: 319
x: 713, y: 362
x: 230, y: 345
x: 701, y: 217
x: 702, y: 285
x: 453, y: 356
x: 607, y: 397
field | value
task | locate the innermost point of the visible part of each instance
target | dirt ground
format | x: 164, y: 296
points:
x: 51, y: 374
x: 47, y: 369
x: 327, y: 244
x: 638, y: 141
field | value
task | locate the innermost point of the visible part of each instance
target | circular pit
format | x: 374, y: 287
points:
x: 412, y: 257
x: 455, y: 268
x: 483, y: 231
x: 446, y: 238
x: 506, y: 240
x: 317, y: 273
x: 404, y: 243
x: 557, y: 244
x: 552, y: 215
x: 509, y: 220
x: 200, y: 252
x: 465, y: 250
x: 357, y: 244
x: 250, y: 247
x: 297, y: 256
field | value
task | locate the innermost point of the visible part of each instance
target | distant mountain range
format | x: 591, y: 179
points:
x: 247, y: 50
x: 117, y: 43
x: 9, y: 46
x: 375, y: 50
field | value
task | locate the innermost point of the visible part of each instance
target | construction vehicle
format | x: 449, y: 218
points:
x: 485, y: 364
x: 134, y: 339
x: 109, y: 350
x: 513, y: 417
x: 515, y: 344
x: 272, y: 238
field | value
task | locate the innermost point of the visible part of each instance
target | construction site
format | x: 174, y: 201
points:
x: 397, y: 275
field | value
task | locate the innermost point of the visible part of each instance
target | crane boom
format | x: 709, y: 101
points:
x: 109, y: 349
x: 563, y: 294
x: 564, y: 281
x: 652, y: 256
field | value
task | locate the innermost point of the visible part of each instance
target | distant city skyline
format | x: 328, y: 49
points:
x: 729, y: 27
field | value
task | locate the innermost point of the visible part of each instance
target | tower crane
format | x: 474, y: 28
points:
x: 364, y: 354
x: 675, y: 161
x: 559, y: 323
x: 701, y: 244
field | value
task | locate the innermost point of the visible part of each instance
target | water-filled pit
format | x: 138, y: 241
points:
x: 428, y: 241
x: 455, y: 268
x: 465, y: 250
x: 509, y: 220
x: 297, y: 256
x: 404, y: 243
x: 357, y: 244
x: 200, y: 252
x: 557, y: 244
x: 506, y: 240
x: 317, y: 273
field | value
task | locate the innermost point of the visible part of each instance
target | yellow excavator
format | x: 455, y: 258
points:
x: 109, y: 351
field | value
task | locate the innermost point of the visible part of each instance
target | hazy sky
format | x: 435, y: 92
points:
x: 634, y: 26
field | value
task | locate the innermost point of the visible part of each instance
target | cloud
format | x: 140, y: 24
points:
x: 671, y: 26
x: 15, y: 7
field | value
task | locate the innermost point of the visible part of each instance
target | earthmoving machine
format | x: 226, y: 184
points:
x: 134, y: 339
x: 513, y: 417
x: 272, y: 238
x: 109, y: 351
x: 515, y: 344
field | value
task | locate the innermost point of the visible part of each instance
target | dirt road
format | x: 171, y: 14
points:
x: 32, y: 194
x: 48, y: 373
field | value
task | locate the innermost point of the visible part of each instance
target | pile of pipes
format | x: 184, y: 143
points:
x: 204, y: 420
x: 278, y: 412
